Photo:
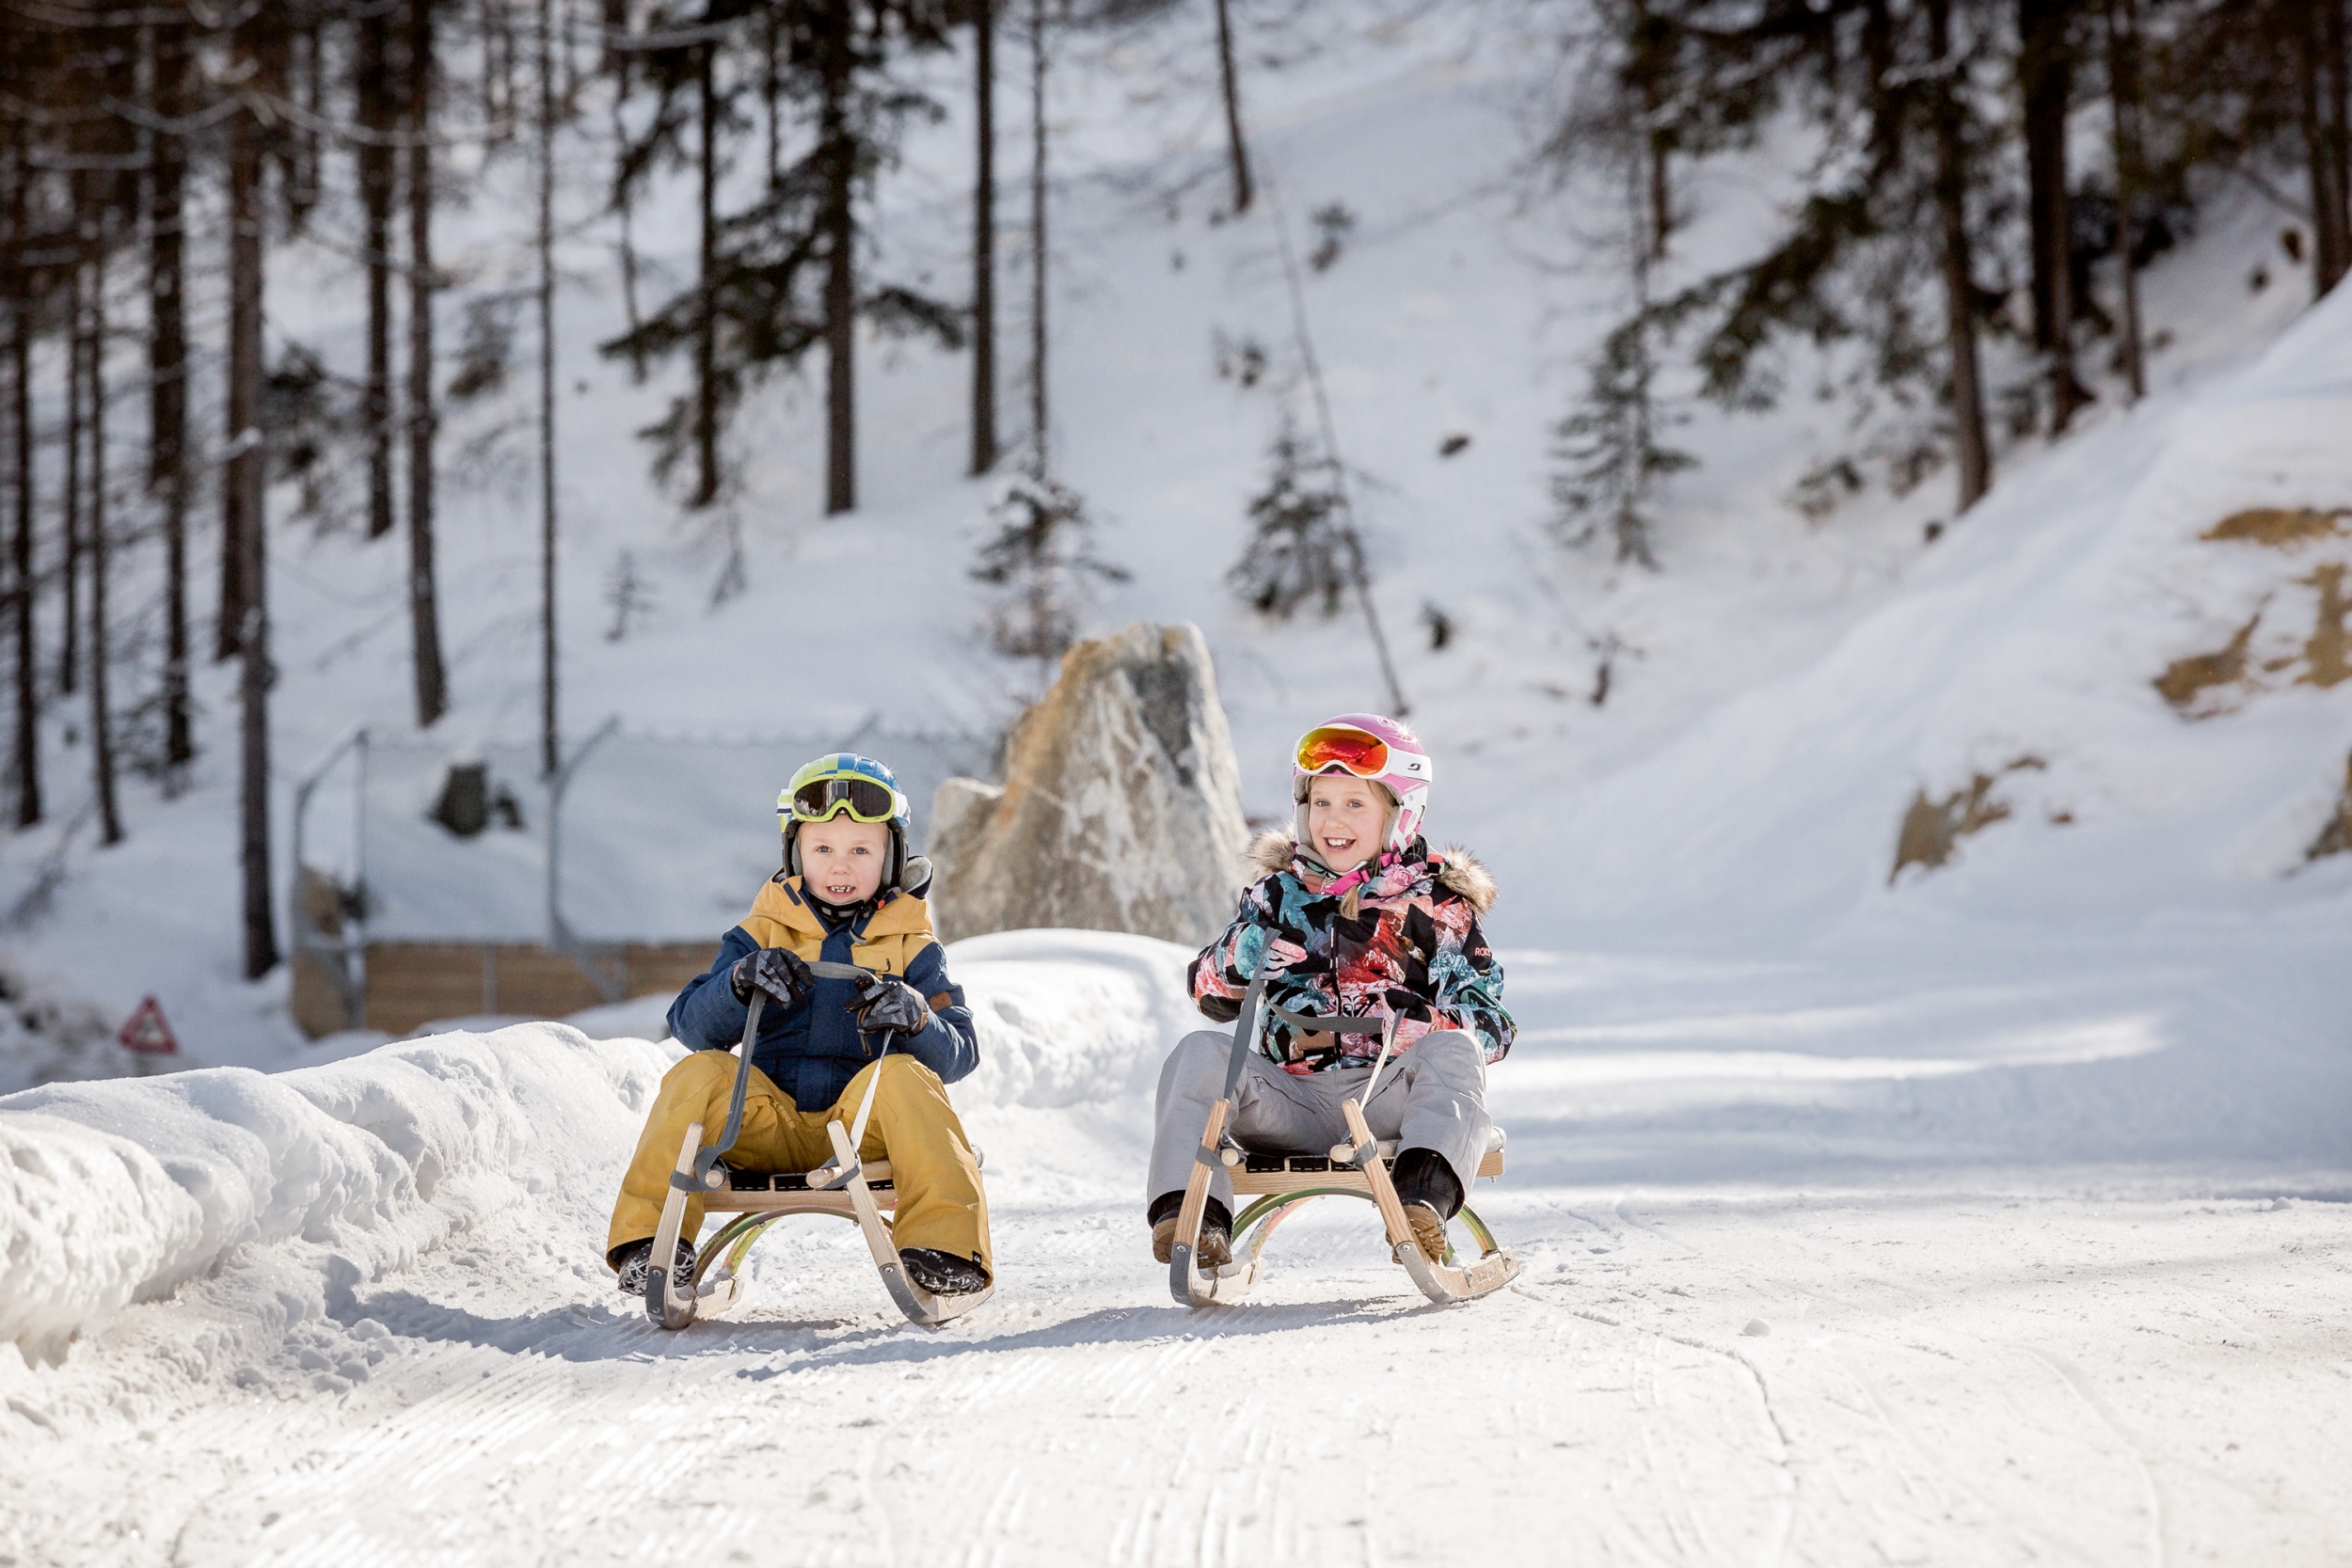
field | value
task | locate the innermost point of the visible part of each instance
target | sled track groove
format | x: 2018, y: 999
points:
x: 1775, y: 1550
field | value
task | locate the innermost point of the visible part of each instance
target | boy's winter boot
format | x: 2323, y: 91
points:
x: 635, y: 1260
x: 1216, y: 1230
x: 943, y: 1274
x: 1431, y: 1193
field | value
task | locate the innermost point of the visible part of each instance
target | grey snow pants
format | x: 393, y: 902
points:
x: 1433, y: 1096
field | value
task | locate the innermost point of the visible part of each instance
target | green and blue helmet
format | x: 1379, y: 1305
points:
x: 845, y: 782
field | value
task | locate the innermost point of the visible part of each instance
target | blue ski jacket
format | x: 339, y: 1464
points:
x: 811, y: 1052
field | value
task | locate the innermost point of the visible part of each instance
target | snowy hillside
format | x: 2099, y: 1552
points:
x: 1451, y: 323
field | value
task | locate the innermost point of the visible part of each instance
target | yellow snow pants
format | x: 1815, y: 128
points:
x: 941, y: 1205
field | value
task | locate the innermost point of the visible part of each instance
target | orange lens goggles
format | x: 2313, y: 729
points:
x: 1359, y: 751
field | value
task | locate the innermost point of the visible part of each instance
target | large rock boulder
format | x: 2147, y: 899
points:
x: 1121, y: 809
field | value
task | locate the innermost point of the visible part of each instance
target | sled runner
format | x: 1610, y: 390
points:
x: 1281, y: 1185
x: 843, y: 1186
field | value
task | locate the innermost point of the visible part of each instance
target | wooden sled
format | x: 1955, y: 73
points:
x: 843, y: 1186
x: 1283, y: 1184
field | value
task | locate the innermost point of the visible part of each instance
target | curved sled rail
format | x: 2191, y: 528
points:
x: 1187, y: 1284
x: 1361, y: 1156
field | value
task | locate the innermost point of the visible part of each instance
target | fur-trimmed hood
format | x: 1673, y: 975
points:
x: 1273, y: 851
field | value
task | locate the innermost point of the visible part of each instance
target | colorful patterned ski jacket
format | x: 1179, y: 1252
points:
x: 1405, y: 942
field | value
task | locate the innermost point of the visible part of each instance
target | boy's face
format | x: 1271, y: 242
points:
x: 1345, y: 819
x: 842, y: 860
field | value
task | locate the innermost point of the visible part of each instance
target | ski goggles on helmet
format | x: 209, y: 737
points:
x: 831, y: 786
x: 823, y: 800
x: 1345, y: 746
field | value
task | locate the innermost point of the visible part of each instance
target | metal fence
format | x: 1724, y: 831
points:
x: 640, y: 839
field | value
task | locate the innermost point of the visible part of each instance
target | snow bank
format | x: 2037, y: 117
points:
x: 1070, y: 1016
x: 120, y: 1191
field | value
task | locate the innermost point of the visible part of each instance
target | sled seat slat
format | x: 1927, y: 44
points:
x: 876, y: 1174
x: 749, y: 1192
x: 1260, y: 1173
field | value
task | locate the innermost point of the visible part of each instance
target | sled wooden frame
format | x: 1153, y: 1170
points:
x: 844, y: 1187
x: 1358, y: 1168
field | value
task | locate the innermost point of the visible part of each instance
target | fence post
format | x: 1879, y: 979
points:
x: 559, y: 937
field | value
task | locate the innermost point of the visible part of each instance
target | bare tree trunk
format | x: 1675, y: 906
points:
x: 424, y: 415
x: 625, y: 204
x: 167, y: 377
x: 299, y: 163
x: 1951, y: 203
x: 1039, y: 408
x: 244, y: 487
x: 2123, y: 93
x: 69, y: 644
x: 243, y: 440
x: 1642, y: 246
x: 550, y: 750
x: 2334, y: 27
x: 377, y: 171
x: 2045, y: 78
x: 100, y: 713
x: 1659, y: 194
x: 984, y: 243
x: 840, y: 264
x: 23, y: 599
x: 707, y: 305
x: 771, y: 90
x: 2331, y: 223
x: 1243, y: 191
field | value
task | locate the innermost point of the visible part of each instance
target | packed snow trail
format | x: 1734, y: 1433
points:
x: 1901, y: 1328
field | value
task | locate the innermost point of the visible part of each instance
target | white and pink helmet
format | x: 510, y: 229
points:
x: 1368, y: 747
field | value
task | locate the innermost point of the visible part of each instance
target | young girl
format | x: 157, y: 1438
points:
x: 1351, y: 916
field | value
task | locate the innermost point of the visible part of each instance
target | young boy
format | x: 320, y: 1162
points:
x: 849, y: 893
x: 1351, y: 916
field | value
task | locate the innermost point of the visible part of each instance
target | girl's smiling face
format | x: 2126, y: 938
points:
x: 841, y: 860
x: 1347, y: 817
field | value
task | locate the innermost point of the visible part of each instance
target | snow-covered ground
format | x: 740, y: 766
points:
x: 1990, y: 1214
x: 1821, y: 1266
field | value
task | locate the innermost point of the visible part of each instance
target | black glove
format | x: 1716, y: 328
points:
x: 777, y: 971
x: 885, y: 1002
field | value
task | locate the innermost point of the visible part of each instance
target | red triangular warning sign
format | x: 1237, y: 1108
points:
x: 148, y: 1032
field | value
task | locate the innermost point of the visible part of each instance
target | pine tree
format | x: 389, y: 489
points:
x: 1040, y: 551
x: 1299, y: 552
x: 1613, y: 456
x: 781, y: 278
x: 1893, y: 211
x: 1611, y: 444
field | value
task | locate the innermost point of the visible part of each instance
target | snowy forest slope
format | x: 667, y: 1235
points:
x: 1464, y: 295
